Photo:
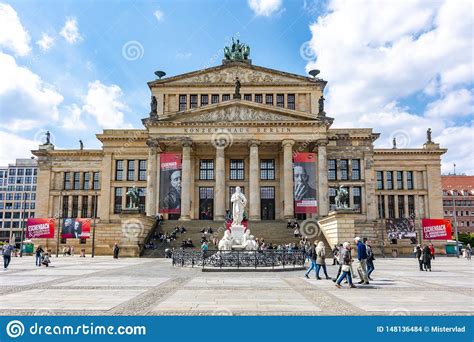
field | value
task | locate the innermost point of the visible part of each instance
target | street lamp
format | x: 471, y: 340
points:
x: 453, y: 194
x: 23, y: 225
x: 381, y: 225
x: 59, y: 222
x: 94, y: 212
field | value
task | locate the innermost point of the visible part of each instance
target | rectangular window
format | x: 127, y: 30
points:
x: 357, y: 198
x: 248, y: 97
x: 391, y: 206
x: 77, y: 180
x: 269, y: 99
x: 193, y: 101
x: 28, y: 180
x: 130, y: 170
x: 16, y: 205
x: 75, y: 206
x: 236, y: 169
x: 119, y: 170
x: 204, y: 100
x: 67, y: 180
x: 214, y: 98
x: 389, y: 175
x: 21, y: 172
x: 400, y: 181
x: 19, y: 180
x: 35, y: 171
x: 290, y: 99
x: 267, y: 192
x: 344, y: 166
x: 259, y: 98
x: 225, y: 97
x: 12, y: 172
x: 379, y: 180
x: 206, y: 169
x: 84, y: 206
x: 17, y: 197
x: 280, y: 100
x: 267, y: 169
x: 381, y: 206
x: 29, y: 172
x: 96, y: 184
x: 332, y: 169
x: 401, y: 206
x: 87, y: 181
x: 142, y: 170
x: 65, y: 206
x: 182, y: 103
x: 355, y: 169
x: 141, y: 199
x: 117, y: 200
x: 410, y: 180
x: 332, y: 198
x: 411, y: 205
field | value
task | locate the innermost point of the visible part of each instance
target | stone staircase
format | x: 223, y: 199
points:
x: 274, y: 232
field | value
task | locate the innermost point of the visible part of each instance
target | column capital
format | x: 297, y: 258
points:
x: 253, y: 143
x: 154, y: 143
x: 287, y: 142
x: 187, y: 143
x: 322, y: 142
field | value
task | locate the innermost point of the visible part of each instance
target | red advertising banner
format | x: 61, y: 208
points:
x: 76, y: 228
x: 304, y: 176
x: 436, y: 229
x: 40, y: 228
x: 170, y: 183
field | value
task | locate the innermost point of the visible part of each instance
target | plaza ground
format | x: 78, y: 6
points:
x: 133, y: 286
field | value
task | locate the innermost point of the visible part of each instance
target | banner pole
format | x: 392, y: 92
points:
x: 59, y: 223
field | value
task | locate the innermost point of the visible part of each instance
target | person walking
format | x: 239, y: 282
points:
x: 335, y: 255
x: 321, y: 260
x: 46, y: 260
x: 419, y: 256
x: 362, y: 257
x: 38, y: 253
x: 468, y: 251
x: 427, y: 258
x: 312, y: 259
x: 7, y: 255
x: 432, y: 251
x: 116, y: 250
x: 345, y: 266
x: 72, y: 250
x: 370, y: 259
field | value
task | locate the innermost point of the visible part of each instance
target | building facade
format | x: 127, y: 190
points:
x: 18, y: 184
x: 458, y: 201
x: 232, y: 125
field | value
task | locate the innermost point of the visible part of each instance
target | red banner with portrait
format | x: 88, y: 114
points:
x: 436, y: 229
x: 304, y: 182
x: 170, y: 183
x: 40, y: 228
x: 76, y: 228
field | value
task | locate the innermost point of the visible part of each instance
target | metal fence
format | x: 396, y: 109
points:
x: 238, y: 259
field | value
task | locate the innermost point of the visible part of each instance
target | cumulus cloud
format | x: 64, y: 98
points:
x: 265, y: 8
x: 73, y: 120
x: 104, y: 103
x: 17, y: 147
x: 46, y: 42
x: 70, y: 31
x: 12, y: 33
x: 384, y: 55
x: 159, y: 15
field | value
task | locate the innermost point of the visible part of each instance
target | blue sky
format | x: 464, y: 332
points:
x: 79, y: 66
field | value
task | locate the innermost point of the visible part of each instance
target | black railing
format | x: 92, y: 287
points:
x: 238, y: 259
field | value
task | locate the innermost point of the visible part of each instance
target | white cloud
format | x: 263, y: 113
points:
x: 70, y: 31
x: 24, y: 95
x: 73, y: 120
x: 105, y: 105
x: 378, y: 54
x: 264, y: 8
x: 159, y: 15
x: 12, y: 33
x: 17, y: 147
x: 20, y: 125
x: 46, y: 42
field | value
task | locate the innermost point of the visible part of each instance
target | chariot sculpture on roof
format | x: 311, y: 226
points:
x: 237, y: 51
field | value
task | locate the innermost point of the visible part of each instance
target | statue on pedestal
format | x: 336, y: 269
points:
x: 239, y: 201
x: 428, y: 136
x: 341, y: 198
x: 134, y: 198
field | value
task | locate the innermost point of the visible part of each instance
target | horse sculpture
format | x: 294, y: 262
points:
x: 342, y: 197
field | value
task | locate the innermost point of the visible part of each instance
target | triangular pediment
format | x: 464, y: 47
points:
x: 247, y: 73
x: 238, y: 110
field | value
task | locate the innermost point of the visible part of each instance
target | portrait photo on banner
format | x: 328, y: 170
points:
x: 170, y: 183
x: 304, y: 182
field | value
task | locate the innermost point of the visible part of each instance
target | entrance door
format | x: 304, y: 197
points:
x: 267, y: 203
x: 206, y: 203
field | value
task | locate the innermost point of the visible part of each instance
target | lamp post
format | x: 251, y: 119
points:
x: 381, y: 226
x: 59, y: 223
x: 23, y: 225
x: 94, y: 212
x: 453, y: 194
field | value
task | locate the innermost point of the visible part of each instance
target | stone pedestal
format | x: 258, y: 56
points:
x: 134, y: 227
x: 237, y: 233
x: 339, y: 226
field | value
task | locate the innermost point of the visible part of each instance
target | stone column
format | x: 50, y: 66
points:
x: 90, y: 209
x: 219, y: 190
x: 151, y: 171
x: 405, y: 205
x: 105, y: 199
x: 385, y: 199
x: 186, y: 182
x: 79, y: 206
x: 288, y: 211
x: 323, y: 189
x: 395, y: 203
x: 254, y: 182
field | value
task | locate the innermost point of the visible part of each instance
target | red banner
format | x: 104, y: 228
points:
x: 170, y: 183
x: 40, y: 228
x: 304, y: 175
x: 76, y: 228
x: 436, y: 229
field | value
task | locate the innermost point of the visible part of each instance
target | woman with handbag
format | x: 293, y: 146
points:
x: 346, y: 266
